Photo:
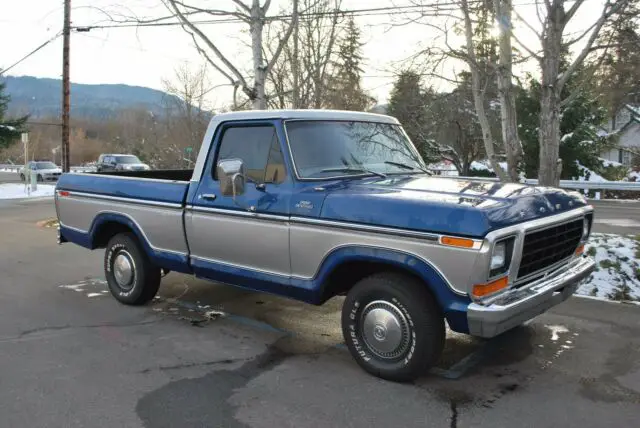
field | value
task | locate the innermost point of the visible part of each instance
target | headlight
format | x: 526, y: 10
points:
x: 585, y: 228
x: 501, y: 257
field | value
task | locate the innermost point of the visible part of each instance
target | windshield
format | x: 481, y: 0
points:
x: 44, y: 165
x: 127, y: 159
x: 322, y: 149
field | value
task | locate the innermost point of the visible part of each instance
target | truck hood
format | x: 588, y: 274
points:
x: 443, y: 205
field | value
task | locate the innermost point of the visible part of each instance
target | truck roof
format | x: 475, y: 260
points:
x: 304, y: 114
x: 338, y: 115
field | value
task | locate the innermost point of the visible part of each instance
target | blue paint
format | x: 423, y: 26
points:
x: 130, y: 188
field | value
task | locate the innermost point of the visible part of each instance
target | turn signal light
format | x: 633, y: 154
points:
x: 63, y: 193
x: 456, y: 242
x: 580, y: 250
x: 480, y: 290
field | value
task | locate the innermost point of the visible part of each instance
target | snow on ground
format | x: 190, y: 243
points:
x: 18, y: 191
x: 617, y: 275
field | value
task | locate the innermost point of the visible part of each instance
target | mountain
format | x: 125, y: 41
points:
x: 41, y: 97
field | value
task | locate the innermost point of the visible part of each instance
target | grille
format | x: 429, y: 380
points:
x: 544, y: 248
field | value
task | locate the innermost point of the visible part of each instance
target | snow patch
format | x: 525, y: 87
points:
x: 19, y: 191
x: 556, y: 330
x: 617, y: 275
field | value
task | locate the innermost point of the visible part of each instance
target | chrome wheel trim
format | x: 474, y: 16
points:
x: 385, y: 330
x: 124, y: 270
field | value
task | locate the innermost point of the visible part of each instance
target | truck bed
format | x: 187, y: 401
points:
x: 169, y: 186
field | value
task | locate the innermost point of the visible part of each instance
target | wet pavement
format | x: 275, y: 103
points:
x: 208, y: 355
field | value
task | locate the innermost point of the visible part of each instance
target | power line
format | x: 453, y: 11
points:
x: 387, y: 10
x: 433, y: 8
x: 31, y: 53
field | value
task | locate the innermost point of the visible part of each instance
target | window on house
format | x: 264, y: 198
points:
x: 625, y: 158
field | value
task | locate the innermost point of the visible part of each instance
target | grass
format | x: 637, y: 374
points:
x: 606, y: 264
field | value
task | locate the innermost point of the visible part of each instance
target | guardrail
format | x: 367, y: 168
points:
x: 573, y: 184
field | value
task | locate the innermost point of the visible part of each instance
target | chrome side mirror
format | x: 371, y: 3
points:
x: 231, y: 174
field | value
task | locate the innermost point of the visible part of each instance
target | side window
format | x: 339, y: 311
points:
x: 259, y: 149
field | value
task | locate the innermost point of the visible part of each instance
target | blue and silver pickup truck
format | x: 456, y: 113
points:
x: 313, y: 204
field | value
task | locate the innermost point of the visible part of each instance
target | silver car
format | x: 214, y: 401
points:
x: 46, y: 171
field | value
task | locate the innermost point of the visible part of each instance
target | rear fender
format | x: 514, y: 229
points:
x: 169, y: 260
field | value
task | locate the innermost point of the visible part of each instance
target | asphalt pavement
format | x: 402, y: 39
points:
x: 71, y: 356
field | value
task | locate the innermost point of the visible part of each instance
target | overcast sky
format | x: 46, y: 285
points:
x: 146, y: 56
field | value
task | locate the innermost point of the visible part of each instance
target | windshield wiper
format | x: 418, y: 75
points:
x: 352, y: 169
x: 405, y: 166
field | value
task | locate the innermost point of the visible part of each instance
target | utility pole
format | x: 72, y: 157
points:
x: 66, y: 86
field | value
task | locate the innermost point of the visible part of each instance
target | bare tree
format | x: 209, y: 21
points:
x: 187, y: 111
x: 554, y: 18
x: 300, y: 76
x: 253, y: 14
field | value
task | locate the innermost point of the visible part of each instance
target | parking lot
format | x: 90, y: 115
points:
x: 211, y: 355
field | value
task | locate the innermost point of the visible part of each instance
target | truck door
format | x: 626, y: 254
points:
x: 251, y: 234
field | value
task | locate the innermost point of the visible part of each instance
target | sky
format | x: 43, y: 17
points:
x: 146, y: 56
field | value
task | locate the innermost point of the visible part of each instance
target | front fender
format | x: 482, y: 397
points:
x: 453, y: 305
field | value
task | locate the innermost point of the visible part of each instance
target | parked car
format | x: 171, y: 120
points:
x: 116, y: 162
x: 313, y: 204
x: 46, y: 171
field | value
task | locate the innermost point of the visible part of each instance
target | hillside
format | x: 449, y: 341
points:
x: 41, y: 97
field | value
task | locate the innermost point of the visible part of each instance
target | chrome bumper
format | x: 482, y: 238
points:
x: 520, y: 305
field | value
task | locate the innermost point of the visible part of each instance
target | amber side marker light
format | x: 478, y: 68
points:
x: 456, y: 242
x: 480, y: 290
x: 580, y: 250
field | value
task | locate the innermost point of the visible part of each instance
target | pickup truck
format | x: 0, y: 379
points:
x: 315, y: 204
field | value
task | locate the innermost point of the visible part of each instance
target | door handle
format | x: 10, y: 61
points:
x: 209, y: 196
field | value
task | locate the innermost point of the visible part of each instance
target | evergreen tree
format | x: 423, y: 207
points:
x: 346, y: 92
x: 617, y: 78
x: 580, y: 121
x: 408, y: 103
x: 10, y: 129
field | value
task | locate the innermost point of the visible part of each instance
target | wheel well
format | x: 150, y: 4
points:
x: 108, y: 230
x: 345, y: 276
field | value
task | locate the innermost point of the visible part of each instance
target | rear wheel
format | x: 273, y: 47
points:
x: 40, y: 179
x: 393, y: 327
x: 22, y: 177
x: 132, y: 278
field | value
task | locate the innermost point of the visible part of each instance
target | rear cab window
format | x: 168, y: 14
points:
x: 259, y: 149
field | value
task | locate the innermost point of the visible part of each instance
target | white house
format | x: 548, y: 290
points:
x: 626, y: 125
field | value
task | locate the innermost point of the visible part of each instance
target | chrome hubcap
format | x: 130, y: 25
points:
x: 385, y: 329
x: 123, y: 270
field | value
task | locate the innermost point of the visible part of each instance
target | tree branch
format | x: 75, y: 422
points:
x: 285, y: 38
x: 242, y: 6
x: 572, y: 11
x: 171, y: 4
x: 607, y: 11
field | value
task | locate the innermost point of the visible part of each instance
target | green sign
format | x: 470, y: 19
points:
x: 188, y: 149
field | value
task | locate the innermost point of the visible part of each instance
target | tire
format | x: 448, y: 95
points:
x: 413, y: 321
x: 22, y: 177
x: 40, y: 180
x: 142, y: 284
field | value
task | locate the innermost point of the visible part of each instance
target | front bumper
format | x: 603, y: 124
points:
x: 520, y: 305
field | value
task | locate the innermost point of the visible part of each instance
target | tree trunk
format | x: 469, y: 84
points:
x: 258, y: 97
x: 549, y: 133
x: 479, y: 95
x: 509, y: 121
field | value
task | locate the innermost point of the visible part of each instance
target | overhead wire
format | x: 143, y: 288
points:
x: 24, y: 58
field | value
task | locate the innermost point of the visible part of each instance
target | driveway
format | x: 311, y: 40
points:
x: 71, y: 356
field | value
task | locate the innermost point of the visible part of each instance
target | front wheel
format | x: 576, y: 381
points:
x: 393, y: 327
x: 132, y: 278
x: 40, y: 179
